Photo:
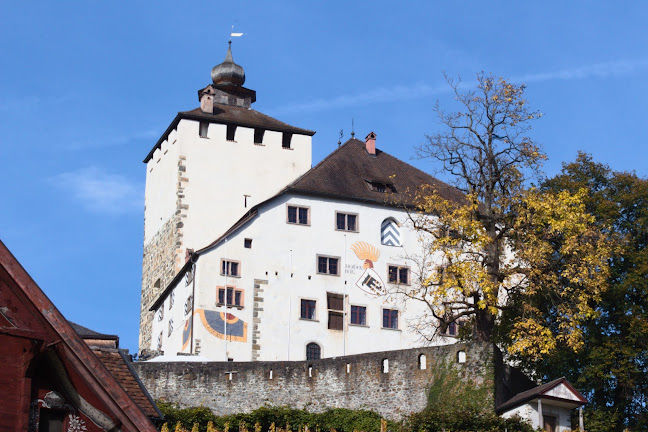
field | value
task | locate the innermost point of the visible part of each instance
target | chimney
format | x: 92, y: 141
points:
x: 370, y: 143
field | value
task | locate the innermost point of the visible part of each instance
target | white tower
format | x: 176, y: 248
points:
x: 208, y: 168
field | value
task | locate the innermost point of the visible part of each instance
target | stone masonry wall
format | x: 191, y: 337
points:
x: 355, y: 382
x: 163, y: 257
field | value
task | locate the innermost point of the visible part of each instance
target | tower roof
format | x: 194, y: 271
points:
x: 228, y: 73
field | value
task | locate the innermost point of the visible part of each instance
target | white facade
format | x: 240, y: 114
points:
x: 285, y: 255
x: 225, y: 178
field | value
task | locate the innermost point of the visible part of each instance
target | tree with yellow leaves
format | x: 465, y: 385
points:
x: 486, y: 255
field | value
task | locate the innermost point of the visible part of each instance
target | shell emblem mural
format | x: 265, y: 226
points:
x: 369, y: 280
x: 217, y: 323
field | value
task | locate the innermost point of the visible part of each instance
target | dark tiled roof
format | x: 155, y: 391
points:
x: 227, y: 114
x: 86, y: 333
x: 119, y: 368
x: 536, y: 392
x: 345, y: 173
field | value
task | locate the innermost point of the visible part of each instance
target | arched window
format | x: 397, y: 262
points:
x: 461, y: 356
x: 385, y: 366
x: 422, y: 362
x: 313, y: 351
x: 390, y: 233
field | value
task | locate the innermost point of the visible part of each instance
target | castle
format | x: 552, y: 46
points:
x: 261, y: 273
x: 250, y: 254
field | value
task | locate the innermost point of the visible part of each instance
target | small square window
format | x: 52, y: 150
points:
x: 298, y: 215
x: 359, y: 315
x: 203, y: 128
x: 390, y: 318
x: 308, y: 309
x: 328, y: 265
x: 247, y: 243
x: 346, y: 222
x: 230, y: 268
x: 398, y: 275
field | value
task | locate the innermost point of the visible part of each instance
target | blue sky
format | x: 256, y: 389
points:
x: 87, y: 87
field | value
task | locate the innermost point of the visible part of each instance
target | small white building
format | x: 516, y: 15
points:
x: 547, y: 407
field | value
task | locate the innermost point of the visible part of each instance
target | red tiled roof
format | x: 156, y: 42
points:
x: 347, y: 172
x: 118, y: 367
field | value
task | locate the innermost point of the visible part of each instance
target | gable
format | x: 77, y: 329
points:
x: 563, y: 392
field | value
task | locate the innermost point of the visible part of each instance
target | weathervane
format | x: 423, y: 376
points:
x: 232, y: 34
x: 340, y: 139
x: 352, y: 128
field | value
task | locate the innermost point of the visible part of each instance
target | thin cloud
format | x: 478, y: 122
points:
x: 101, y: 192
x: 597, y: 70
x: 113, y: 141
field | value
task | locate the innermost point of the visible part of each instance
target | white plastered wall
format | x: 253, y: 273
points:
x: 221, y: 172
x: 161, y: 185
x: 284, y: 255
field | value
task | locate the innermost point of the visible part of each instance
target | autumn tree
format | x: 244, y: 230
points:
x: 493, y: 251
x: 612, y: 369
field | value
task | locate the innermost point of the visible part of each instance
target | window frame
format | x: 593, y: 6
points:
x: 298, y: 207
x: 333, y: 312
x: 328, y: 257
x: 319, y: 347
x: 398, y: 275
x: 301, y: 305
x: 235, y: 291
x: 346, y: 221
x: 364, y: 324
x: 390, y: 327
x: 238, y: 263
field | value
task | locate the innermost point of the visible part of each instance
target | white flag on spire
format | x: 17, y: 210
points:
x: 236, y: 34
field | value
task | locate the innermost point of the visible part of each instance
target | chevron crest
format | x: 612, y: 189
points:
x: 390, y: 233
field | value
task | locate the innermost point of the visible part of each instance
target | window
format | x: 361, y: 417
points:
x: 422, y: 361
x: 390, y: 318
x: 160, y: 313
x: 232, y: 295
x: 258, y: 136
x: 170, y: 326
x: 188, y: 306
x: 359, y: 315
x: 328, y: 265
x: 298, y: 215
x: 335, y: 306
x: 171, y: 299
x: 461, y: 356
x: 159, y: 342
x: 51, y: 420
x: 390, y: 233
x: 231, y: 131
x: 308, y: 309
x: 380, y: 186
x: 346, y: 222
x: 247, y: 243
x: 285, y: 140
x: 230, y: 268
x: 452, y: 329
x: 398, y: 275
x: 202, y: 129
x: 313, y: 351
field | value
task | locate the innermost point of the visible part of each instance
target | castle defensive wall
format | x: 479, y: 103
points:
x: 392, y: 383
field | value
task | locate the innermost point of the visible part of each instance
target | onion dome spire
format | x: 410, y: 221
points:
x: 228, y: 73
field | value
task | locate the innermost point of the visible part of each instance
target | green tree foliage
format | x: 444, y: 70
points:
x: 612, y: 367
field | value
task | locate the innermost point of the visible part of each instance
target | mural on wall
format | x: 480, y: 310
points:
x: 369, y: 281
x: 186, y: 334
x: 216, y: 323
